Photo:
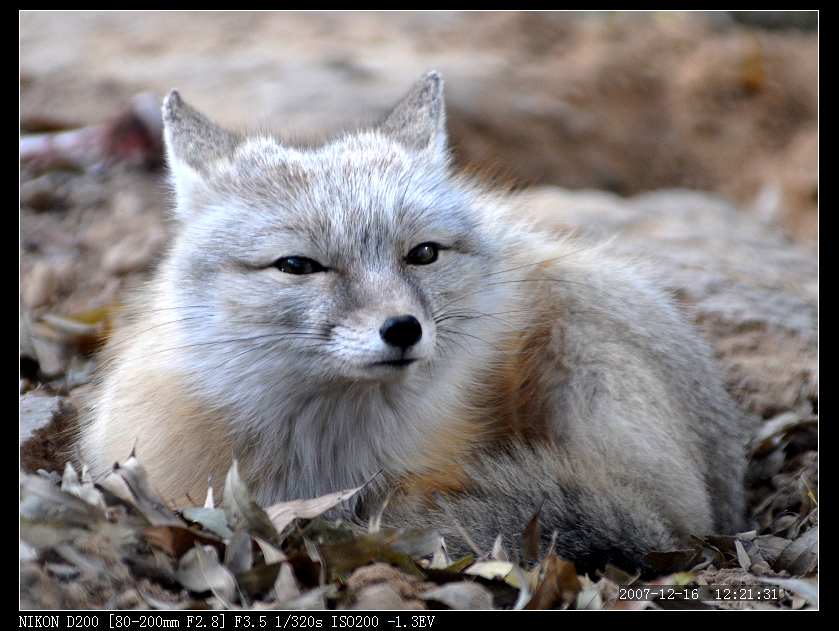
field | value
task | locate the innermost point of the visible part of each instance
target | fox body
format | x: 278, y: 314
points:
x: 331, y: 312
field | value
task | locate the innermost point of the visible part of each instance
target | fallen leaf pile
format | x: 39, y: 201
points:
x: 113, y: 543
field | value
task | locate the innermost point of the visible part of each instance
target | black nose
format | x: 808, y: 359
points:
x: 402, y: 331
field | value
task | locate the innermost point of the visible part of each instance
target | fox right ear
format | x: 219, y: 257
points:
x: 418, y: 121
x: 193, y: 144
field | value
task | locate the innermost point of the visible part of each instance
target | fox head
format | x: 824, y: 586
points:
x: 359, y: 260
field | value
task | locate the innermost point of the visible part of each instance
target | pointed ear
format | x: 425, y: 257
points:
x: 193, y: 144
x: 418, y: 121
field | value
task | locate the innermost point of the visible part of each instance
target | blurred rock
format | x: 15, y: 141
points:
x: 754, y: 294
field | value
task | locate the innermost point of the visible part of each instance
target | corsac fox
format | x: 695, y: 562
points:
x: 328, y: 312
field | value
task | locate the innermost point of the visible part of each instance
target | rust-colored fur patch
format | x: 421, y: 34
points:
x: 508, y: 403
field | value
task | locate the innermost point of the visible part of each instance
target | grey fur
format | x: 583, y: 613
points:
x: 192, y: 136
x: 418, y: 121
x: 642, y: 445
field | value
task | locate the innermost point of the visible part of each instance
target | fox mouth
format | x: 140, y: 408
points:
x: 395, y: 363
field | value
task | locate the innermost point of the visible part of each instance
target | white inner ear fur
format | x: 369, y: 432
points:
x: 185, y: 180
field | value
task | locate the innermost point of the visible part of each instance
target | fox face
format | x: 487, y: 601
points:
x: 361, y: 260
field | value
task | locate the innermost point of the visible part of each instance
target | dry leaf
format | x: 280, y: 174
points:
x: 199, y: 571
x: 490, y: 569
x: 800, y: 557
x: 177, y: 540
x: 282, y: 514
x: 498, y: 552
x: 559, y: 585
x: 806, y: 588
x: 461, y: 595
x: 211, y: 519
x: 258, y: 581
x: 83, y: 489
x: 313, y: 599
x: 461, y: 564
x: 742, y: 556
x: 42, y: 501
x: 243, y: 512
x: 129, y: 483
x: 269, y: 552
x: 531, y: 537
x: 382, y: 597
x: 286, y: 587
x: 415, y: 542
x: 238, y: 555
x: 440, y: 559
x: 342, y: 558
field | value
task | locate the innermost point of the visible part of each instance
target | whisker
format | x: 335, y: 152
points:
x: 536, y: 263
x: 207, y: 343
x: 470, y: 335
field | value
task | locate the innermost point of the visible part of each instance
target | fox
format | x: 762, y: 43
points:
x: 357, y: 309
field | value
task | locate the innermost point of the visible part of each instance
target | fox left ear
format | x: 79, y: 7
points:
x: 193, y: 145
x: 418, y: 121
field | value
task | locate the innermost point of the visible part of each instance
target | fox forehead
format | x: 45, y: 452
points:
x: 366, y: 154
x: 358, y: 189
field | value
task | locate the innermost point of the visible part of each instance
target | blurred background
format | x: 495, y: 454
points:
x: 622, y: 102
x: 692, y: 135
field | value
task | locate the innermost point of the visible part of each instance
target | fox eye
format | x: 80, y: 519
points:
x: 423, y: 254
x: 298, y: 265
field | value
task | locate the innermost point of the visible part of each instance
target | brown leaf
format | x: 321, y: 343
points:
x: 559, y: 585
x: 672, y: 560
x: 342, y: 558
x: 617, y: 575
x: 259, y: 580
x: 461, y: 564
x: 243, y: 512
x: 531, y: 537
x: 178, y: 540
